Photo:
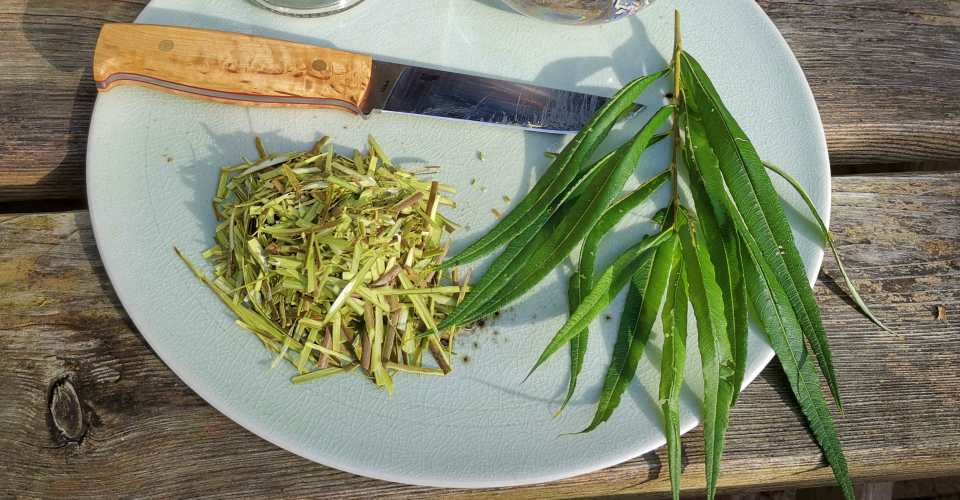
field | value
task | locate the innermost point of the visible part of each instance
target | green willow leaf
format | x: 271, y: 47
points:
x: 715, y: 353
x: 643, y: 303
x: 559, y: 175
x: 738, y: 334
x: 828, y: 239
x: 606, y: 288
x: 779, y: 320
x: 757, y: 201
x: 777, y: 317
x: 578, y: 346
x: 720, y: 235
x: 584, y: 215
x: 674, y: 318
x: 582, y: 281
x: 521, y: 248
x: 612, y: 216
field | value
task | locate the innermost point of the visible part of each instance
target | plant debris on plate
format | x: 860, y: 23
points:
x: 330, y: 261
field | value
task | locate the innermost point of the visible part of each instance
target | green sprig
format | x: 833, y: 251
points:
x: 730, y: 249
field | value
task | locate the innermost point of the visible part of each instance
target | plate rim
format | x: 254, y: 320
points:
x: 277, y: 439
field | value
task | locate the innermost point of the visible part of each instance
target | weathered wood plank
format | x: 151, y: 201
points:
x: 883, y: 73
x: 47, y: 92
x: 141, y: 430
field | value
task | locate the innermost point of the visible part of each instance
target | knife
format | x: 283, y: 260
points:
x: 249, y: 70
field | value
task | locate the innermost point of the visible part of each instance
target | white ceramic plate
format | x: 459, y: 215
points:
x: 154, y: 159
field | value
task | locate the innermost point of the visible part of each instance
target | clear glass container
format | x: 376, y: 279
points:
x: 307, y: 8
x: 578, y: 11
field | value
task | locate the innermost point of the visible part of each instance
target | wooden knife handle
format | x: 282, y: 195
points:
x: 230, y: 68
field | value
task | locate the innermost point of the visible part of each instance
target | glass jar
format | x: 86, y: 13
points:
x: 307, y: 8
x: 578, y: 11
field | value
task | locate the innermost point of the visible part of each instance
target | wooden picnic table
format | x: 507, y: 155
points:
x: 88, y: 411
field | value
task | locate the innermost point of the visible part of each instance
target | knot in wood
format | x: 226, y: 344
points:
x: 66, y: 410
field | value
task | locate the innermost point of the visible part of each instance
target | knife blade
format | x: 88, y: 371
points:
x: 236, y: 68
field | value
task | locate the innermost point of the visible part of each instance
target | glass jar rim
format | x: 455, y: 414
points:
x: 306, y: 8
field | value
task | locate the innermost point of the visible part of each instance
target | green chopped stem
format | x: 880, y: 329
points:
x: 296, y: 259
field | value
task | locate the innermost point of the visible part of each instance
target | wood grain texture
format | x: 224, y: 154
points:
x: 872, y: 491
x: 47, y: 92
x: 136, y: 428
x: 883, y: 72
x: 247, y: 67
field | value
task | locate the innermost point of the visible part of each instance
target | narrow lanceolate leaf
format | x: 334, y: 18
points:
x: 777, y: 317
x: 582, y: 281
x: 578, y: 346
x: 828, y: 239
x: 780, y: 322
x: 583, y: 216
x: 643, y: 303
x: 738, y: 305
x: 560, y: 173
x: 715, y: 353
x: 606, y: 288
x: 521, y: 248
x: 757, y: 201
x: 674, y: 318
x: 612, y: 216
x: 719, y: 234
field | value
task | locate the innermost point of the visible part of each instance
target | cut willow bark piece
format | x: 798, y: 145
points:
x: 559, y: 175
x: 583, y: 216
x: 720, y: 236
x: 606, y: 288
x: 777, y: 317
x: 314, y: 375
x: 758, y: 202
x: 582, y: 280
x: 672, y: 363
x: 299, y: 247
x: 640, y: 314
x: 828, y: 240
x: 248, y: 316
x: 715, y: 354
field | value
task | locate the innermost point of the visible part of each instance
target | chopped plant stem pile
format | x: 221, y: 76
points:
x: 723, y: 250
x: 330, y: 259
